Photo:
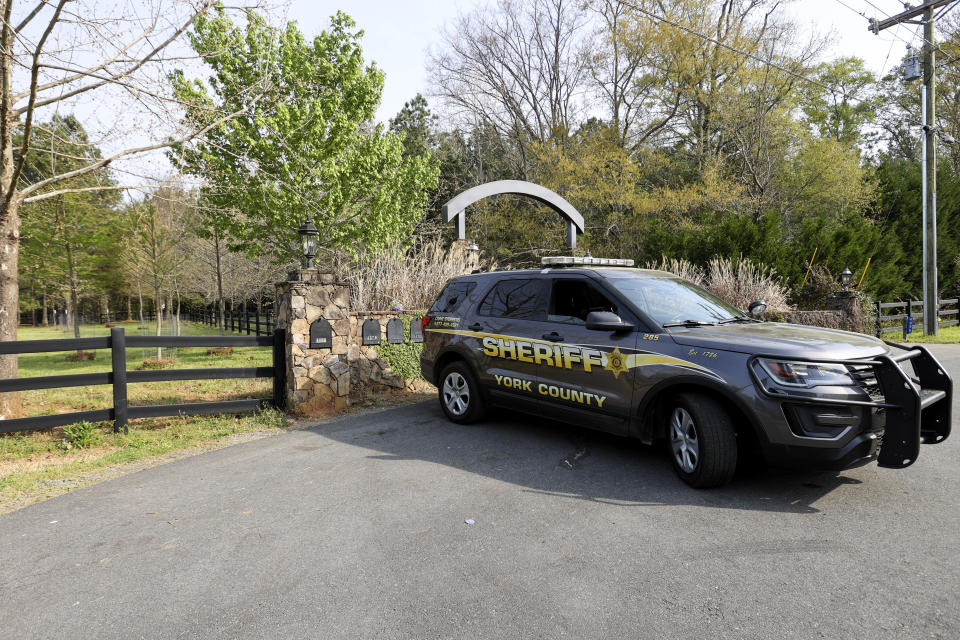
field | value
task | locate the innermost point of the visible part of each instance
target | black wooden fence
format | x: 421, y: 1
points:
x: 250, y: 322
x: 119, y: 377
x: 906, y: 310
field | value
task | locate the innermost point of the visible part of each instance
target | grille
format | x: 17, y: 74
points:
x: 867, y: 379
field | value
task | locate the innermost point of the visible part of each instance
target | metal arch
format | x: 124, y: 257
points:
x: 456, y: 206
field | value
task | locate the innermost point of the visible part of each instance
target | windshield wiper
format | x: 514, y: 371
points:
x: 690, y: 323
x: 738, y: 319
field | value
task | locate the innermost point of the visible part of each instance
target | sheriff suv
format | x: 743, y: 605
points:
x: 647, y: 355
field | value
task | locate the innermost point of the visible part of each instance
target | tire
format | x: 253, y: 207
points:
x: 702, y: 441
x: 460, y: 396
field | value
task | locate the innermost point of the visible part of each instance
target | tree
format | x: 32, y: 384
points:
x: 65, y: 237
x: 152, y: 236
x: 40, y: 44
x: 516, y: 67
x: 305, y: 147
x: 843, y: 113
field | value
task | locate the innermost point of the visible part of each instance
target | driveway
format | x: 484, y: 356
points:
x: 356, y: 529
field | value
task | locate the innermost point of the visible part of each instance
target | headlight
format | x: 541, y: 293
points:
x: 807, y: 374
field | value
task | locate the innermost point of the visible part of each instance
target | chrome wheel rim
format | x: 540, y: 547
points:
x: 456, y: 394
x: 684, y: 441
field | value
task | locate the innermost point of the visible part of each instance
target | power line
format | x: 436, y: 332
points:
x: 752, y: 56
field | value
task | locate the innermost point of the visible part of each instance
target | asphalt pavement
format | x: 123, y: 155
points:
x: 357, y: 528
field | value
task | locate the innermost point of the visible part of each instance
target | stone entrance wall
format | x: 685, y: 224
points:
x: 330, y: 379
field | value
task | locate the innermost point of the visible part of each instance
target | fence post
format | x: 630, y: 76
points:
x: 280, y: 369
x: 118, y: 357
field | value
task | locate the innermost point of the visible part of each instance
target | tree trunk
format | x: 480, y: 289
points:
x: 216, y: 249
x: 9, y: 221
x: 129, y: 308
x: 44, y: 322
x: 140, y: 308
x: 158, y: 311
x: 178, y: 311
x: 9, y: 296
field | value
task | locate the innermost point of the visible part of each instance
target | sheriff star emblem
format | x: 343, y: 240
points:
x: 616, y: 362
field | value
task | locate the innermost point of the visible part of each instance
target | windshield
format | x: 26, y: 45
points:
x: 669, y: 300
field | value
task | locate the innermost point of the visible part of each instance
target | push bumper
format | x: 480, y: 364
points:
x: 912, y: 410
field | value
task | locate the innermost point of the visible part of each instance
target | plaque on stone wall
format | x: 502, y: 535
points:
x: 321, y: 335
x: 371, y: 331
x: 395, y: 331
x: 416, y: 330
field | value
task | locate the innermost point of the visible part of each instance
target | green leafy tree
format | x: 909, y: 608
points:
x: 66, y: 237
x: 304, y: 143
x: 841, y: 114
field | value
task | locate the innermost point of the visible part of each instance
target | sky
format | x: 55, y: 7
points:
x: 397, y: 35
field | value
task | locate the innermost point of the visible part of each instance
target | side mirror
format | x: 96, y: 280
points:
x: 606, y: 321
x: 756, y: 308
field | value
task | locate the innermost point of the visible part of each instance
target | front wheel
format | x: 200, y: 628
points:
x: 460, y: 395
x: 703, y: 444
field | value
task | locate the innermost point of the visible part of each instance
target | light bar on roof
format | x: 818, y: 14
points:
x: 570, y: 261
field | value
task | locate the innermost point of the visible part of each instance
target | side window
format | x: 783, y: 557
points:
x: 513, y: 299
x: 571, y: 300
x: 452, y: 297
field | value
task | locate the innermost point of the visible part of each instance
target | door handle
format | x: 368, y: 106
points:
x: 553, y: 336
x: 476, y: 326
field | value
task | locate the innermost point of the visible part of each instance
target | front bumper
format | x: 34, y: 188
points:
x: 902, y: 412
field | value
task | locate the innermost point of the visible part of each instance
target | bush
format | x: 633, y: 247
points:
x: 409, y: 277
x: 680, y: 268
x: 816, y: 292
x: 154, y: 363
x: 80, y: 435
x: 742, y: 281
x: 403, y: 358
x: 738, y: 282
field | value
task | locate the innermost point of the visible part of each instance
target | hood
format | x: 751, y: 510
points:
x: 779, y: 339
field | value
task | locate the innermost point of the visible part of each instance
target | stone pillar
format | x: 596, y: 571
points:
x: 317, y: 379
x: 847, y: 303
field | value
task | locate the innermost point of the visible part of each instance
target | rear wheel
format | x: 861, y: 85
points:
x: 460, y: 395
x: 703, y: 444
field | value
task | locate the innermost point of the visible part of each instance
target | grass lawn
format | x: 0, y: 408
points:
x: 36, y: 465
x: 946, y: 335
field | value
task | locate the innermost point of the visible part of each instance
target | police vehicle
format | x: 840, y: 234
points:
x: 648, y: 355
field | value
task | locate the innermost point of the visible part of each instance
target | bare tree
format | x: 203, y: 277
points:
x: 628, y: 72
x: 516, y: 67
x: 41, y: 42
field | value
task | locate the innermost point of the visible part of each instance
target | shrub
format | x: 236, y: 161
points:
x: 739, y: 281
x: 403, y: 358
x: 154, y: 363
x: 679, y: 267
x: 816, y: 292
x: 742, y: 281
x: 80, y: 435
x: 407, y: 277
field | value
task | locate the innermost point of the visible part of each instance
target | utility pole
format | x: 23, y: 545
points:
x: 931, y: 300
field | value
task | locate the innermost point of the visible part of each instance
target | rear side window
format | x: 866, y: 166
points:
x: 452, y: 297
x: 518, y: 299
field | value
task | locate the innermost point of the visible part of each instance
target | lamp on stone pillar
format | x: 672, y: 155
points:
x: 308, y: 235
x: 845, y: 277
x: 473, y: 255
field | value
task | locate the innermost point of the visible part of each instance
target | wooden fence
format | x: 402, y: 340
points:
x: 910, y: 312
x: 119, y: 377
